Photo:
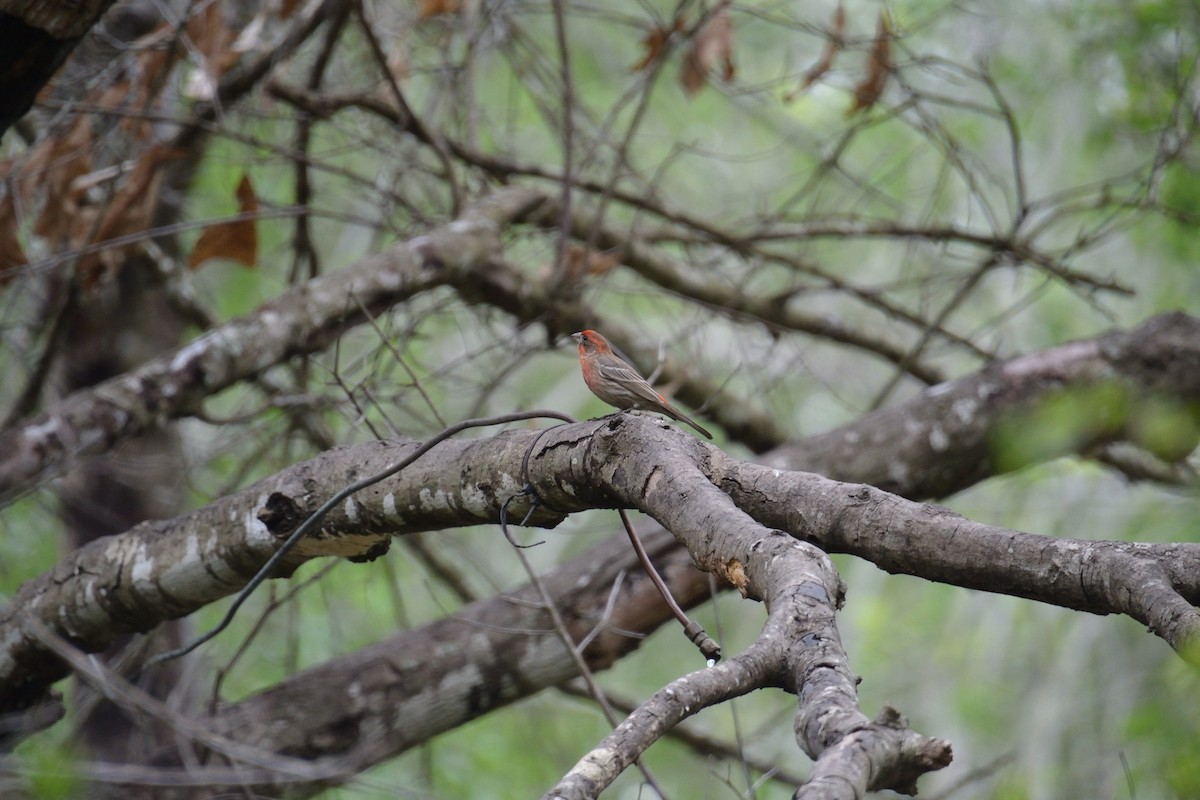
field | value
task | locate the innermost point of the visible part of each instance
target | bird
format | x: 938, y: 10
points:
x: 615, y: 381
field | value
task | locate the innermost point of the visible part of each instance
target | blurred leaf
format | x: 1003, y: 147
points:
x: 1060, y: 425
x: 713, y: 43
x: 581, y: 262
x: 1167, y: 428
x: 55, y: 164
x: 879, y: 67
x: 1075, y: 419
x: 236, y: 240
x: 833, y: 43
x: 50, y: 771
x: 434, y: 8
x: 212, y: 39
x: 11, y: 253
x: 656, y: 40
x: 129, y: 211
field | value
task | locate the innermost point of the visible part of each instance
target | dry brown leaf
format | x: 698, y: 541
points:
x: 581, y: 261
x: 834, y: 42
x: 713, y: 43
x: 11, y: 254
x: 236, y: 241
x: 54, y: 166
x: 213, y: 39
x: 155, y: 58
x: 879, y: 67
x: 433, y: 8
x: 130, y: 211
x: 656, y: 40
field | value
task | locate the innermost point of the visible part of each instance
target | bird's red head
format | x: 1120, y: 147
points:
x: 590, y: 342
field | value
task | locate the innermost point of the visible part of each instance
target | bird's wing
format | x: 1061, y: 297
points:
x: 629, y: 378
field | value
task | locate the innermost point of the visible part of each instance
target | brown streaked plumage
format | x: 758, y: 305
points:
x: 616, y: 382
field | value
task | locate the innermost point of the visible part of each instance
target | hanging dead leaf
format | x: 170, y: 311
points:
x: 434, y: 8
x: 879, y: 67
x: 713, y: 43
x: 155, y: 56
x: 130, y: 211
x: 656, y: 40
x: 212, y: 40
x: 579, y: 262
x: 834, y: 42
x: 54, y: 167
x: 236, y: 241
x: 12, y: 255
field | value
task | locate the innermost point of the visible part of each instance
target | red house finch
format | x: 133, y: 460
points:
x: 616, y: 382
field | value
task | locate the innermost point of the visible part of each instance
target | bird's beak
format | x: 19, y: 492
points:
x: 578, y: 337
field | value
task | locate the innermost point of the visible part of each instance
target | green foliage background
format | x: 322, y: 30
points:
x: 1038, y: 702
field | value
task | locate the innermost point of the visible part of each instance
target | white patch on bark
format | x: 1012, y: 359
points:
x: 474, y: 499
x: 898, y: 471
x: 389, y: 280
x: 591, y: 766
x: 938, y: 439
x: 44, y: 431
x: 9, y: 643
x: 255, y: 529
x: 191, y: 552
x: 143, y: 566
x: 192, y: 351
x: 965, y: 409
x: 431, y: 501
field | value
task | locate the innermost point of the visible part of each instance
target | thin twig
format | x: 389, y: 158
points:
x: 594, y: 689
x: 418, y: 127
x: 568, y: 111
x: 708, y: 647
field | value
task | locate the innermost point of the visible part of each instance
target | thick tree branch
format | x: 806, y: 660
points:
x: 945, y: 439
x: 302, y: 320
x: 160, y: 570
x: 1153, y: 583
x: 36, y: 36
x: 801, y: 649
x: 168, y: 569
x: 423, y: 682
x: 1167, y: 341
x: 669, y: 706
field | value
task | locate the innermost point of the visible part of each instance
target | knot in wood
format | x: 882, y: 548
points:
x: 281, y: 514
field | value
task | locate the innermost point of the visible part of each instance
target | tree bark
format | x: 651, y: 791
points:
x: 36, y: 36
